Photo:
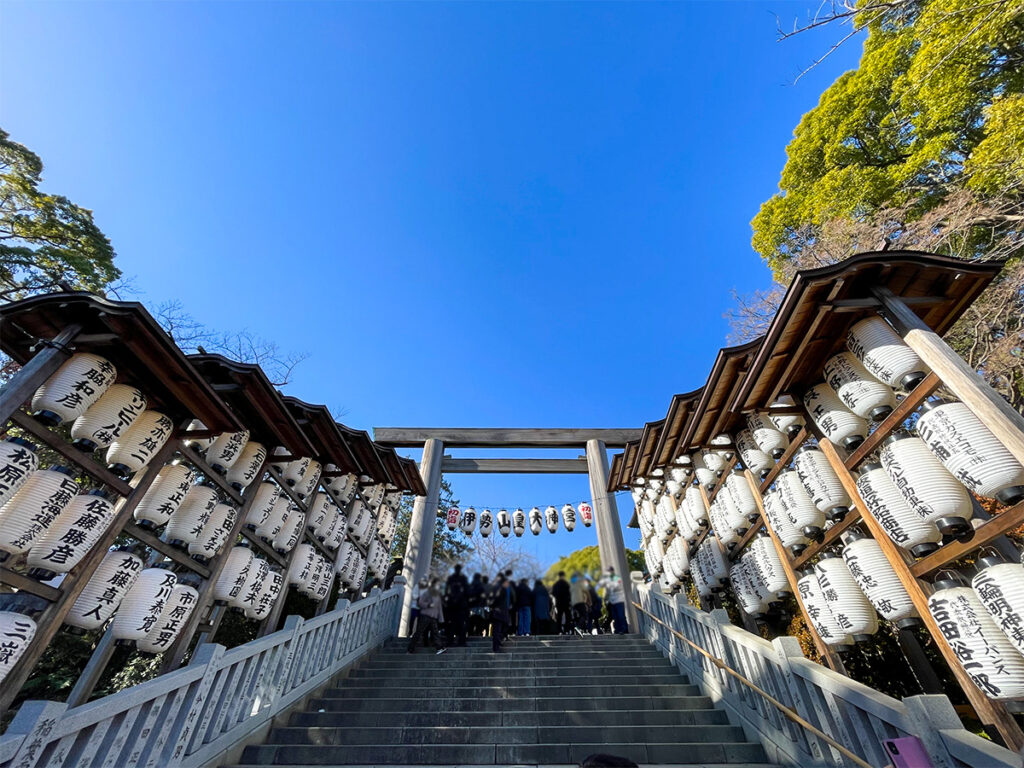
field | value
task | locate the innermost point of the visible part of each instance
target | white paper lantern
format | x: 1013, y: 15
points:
x: 262, y: 506
x: 986, y: 654
x: 849, y: 605
x: 753, y: 458
x: 247, y: 468
x: 790, y: 423
x: 861, y: 392
x: 799, y: 506
x: 887, y: 505
x: 248, y: 595
x: 928, y: 487
x: 769, y: 565
x: 172, y: 619
x: 745, y: 588
x: 108, y: 418
x: 569, y: 517
x: 321, y: 515
x: 486, y: 523
x: 884, y: 354
x: 269, y: 590
x: 291, y: 531
x: 75, y: 531
x: 16, y: 633
x: 536, y: 520
x: 767, y: 437
x: 725, y: 532
x: 17, y: 461
x: 878, y: 581
x: 518, y: 522
x: 821, y: 482
x: 186, y: 524
x: 143, y: 603
x: 678, y: 558
x: 452, y: 519
x: 225, y: 450
x: 309, y: 480
x: 275, y: 521
x: 505, y: 523
x: 971, y: 453
x: 776, y: 518
x: 77, y: 384
x: 468, y: 522
x: 197, y: 443
x: 1000, y: 587
x: 363, y: 526
x: 344, y: 487
x: 696, y: 509
x: 215, y: 532
x: 339, y: 528
x: 586, y: 513
x: 293, y: 471
x: 713, y: 460
x: 821, y: 617
x: 302, y: 565
x: 233, y: 575
x: 706, y: 476
x: 742, y: 497
x: 139, y: 444
x: 103, y: 593
x: 32, y: 510
x: 654, y: 556
x: 835, y: 420
x: 165, y: 496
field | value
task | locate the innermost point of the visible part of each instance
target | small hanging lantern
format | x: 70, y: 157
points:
x: 291, y: 531
x: 970, y: 452
x: 536, y: 520
x: 104, y: 591
x: 753, y: 458
x: 344, y: 487
x: 767, y: 437
x: 821, y: 482
x: 790, y: 423
x: 819, y: 613
x: 275, y: 520
x: 247, y: 596
x: 988, y: 657
x: 884, y: 354
x: 927, y: 486
x: 309, y: 480
x: 551, y: 519
x: 705, y: 475
x: 225, y: 450
x: 798, y: 506
x: 877, y: 580
x: 776, y: 518
x: 164, y: 496
x: 336, y: 535
x: 738, y: 488
x: 518, y: 522
x: 861, y: 392
x: 848, y: 604
x: 268, y: 592
x: 172, y: 619
x: 505, y: 523
x: 486, y: 523
x: 199, y: 444
x: 833, y: 418
x: 364, y: 527
x: 214, y: 534
x: 713, y: 460
x: 302, y: 565
x: 769, y: 565
x: 887, y: 505
x: 262, y: 506
x: 294, y: 470
x: 186, y: 524
x: 17, y: 461
x: 16, y: 633
x: 568, y: 517
x: 142, y: 604
x: 71, y: 535
x: 742, y: 576
x: 586, y: 513
x: 320, y: 516
x: 452, y: 519
x: 139, y: 444
x: 468, y: 522
x: 233, y: 575
x: 1000, y: 587
x: 108, y: 418
x: 32, y: 510
x: 76, y: 385
x: 247, y: 468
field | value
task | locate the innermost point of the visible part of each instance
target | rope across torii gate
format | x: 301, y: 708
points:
x: 595, y: 442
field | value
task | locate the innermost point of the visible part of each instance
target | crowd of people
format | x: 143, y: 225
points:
x: 459, y: 608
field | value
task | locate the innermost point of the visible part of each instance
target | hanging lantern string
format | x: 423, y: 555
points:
x: 495, y: 507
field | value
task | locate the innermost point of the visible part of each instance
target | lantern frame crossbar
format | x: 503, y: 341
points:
x: 515, y: 466
x: 487, y: 437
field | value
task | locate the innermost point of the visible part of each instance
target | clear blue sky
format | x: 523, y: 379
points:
x: 507, y: 214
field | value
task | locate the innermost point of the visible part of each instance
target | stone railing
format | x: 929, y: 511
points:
x: 857, y: 717
x: 189, y: 717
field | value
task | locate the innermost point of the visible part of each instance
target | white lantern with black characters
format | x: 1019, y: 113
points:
x: 706, y: 476
x: 504, y: 521
x: 275, y: 521
x: 165, y: 496
x: 172, y: 619
x: 754, y: 459
x: 569, y: 517
x: 776, y: 518
x: 790, y: 423
x: 108, y: 418
x: 302, y: 564
x: 519, y: 522
x: 186, y: 524
x: 262, y: 506
x: 742, y: 497
x: 849, y: 606
x: 105, y: 590
x: 817, y: 610
x: 214, y: 534
x: 887, y: 505
x: 799, y: 506
x: 250, y: 591
x: 33, y: 509
x: 861, y: 392
x: 468, y: 522
x: 233, y: 575
x: 244, y: 471
x: 77, y: 384
x: 226, y: 449
x: 291, y: 532
x: 268, y: 592
x: 75, y: 531
x: 767, y: 437
x: 884, y: 354
x: 877, y: 580
x: 16, y: 633
x: 486, y: 523
x: 821, y: 482
x: 1000, y: 587
x: 309, y: 480
x: 536, y: 520
x: 837, y: 422
x: 769, y: 565
x: 143, y: 603
x: 140, y: 443
x: 18, y: 460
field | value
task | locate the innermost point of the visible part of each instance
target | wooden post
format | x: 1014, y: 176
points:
x: 611, y: 546
x: 419, y: 549
x: 37, y: 370
x: 1004, y: 422
x: 992, y: 713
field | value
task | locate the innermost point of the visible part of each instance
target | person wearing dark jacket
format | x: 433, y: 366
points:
x: 524, y: 603
x: 595, y: 609
x: 541, y: 609
x: 498, y: 601
x: 456, y: 605
x: 563, y: 604
x: 477, y: 609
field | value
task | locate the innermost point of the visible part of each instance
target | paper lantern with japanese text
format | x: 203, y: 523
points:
x: 753, y: 458
x: 17, y: 461
x: 849, y: 605
x: 268, y: 592
x: 927, y: 486
x: 818, y: 612
x: 262, y: 506
x: 776, y: 518
x: 75, y: 531
x: 468, y: 522
x: 244, y: 471
x: 706, y: 476
x: 767, y: 437
x: 275, y: 521
x: 799, y: 506
x: 309, y: 480
x: 586, y: 513
x: 336, y: 535
x: 226, y: 449
x: 302, y: 565
x: 970, y: 452
x: 1000, y: 587
x: 861, y: 392
x: 233, y: 575
x: 105, y: 590
x: 187, y: 522
x: 486, y: 523
x: 504, y: 521
x: 291, y: 532
x: 343, y: 486
x: 745, y: 588
x: 139, y: 444
x: 551, y: 518
x: 214, y: 534
x: 569, y: 517
x: 293, y: 471
x: 16, y: 633
x: 536, y: 520
x: 821, y: 482
x: 519, y: 522
x: 878, y: 581
x: 172, y: 619
x: 769, y: 565
x: 77, y: 384
x: 452, y: 519
x: 165, y: 495
x: 250, y: 591
x: 143, y: 603
x: 888, y: 506
x: 836, y: 422
x: 108, y: 418
x: 790, y: 423
x: 321, y: 515
x: 738, y: 488
x: 884, y: 354
x: 33, y: 509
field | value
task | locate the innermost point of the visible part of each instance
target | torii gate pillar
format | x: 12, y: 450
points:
x: 610, y: 544
x: 419, y: 550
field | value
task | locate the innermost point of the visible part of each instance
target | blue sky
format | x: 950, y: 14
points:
x: 504, y: 214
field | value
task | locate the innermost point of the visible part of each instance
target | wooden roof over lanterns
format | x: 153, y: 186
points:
x: 126, y: 334
x: 810, y: 326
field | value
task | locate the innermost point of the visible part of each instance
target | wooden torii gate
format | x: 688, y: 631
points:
x: 419, y: 549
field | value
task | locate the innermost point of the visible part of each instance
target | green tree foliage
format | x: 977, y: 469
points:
x: 46, y: 241
x: 588, y: 561
x: 450, y: 547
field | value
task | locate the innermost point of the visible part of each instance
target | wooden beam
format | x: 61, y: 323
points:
x: 894, y: 420
x: 476, y: 437
x: 37, y: 370
x: 514, y: 466
x: 985, y: 534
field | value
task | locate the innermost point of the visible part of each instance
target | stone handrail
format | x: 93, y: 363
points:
x: 189, y: 717
x: 855, y: 715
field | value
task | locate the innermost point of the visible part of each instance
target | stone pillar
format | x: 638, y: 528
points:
x: 420, y: 547
x: 609, y: 527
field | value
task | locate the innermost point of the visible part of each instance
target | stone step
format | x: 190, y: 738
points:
x: 495, y: 719
x: 552, y: 640
x: 438, y: 668
x: 427, y: 679
x: 491, y: 754
x: 520, y: 653
x: 356, y: 690
x: 429, y: 660
x: 533, y: 704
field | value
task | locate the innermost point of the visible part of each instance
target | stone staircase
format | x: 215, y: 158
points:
x: 544, y: 701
